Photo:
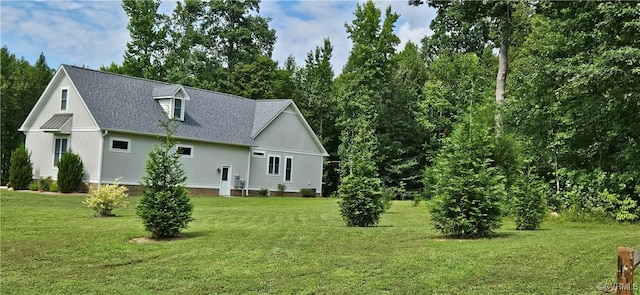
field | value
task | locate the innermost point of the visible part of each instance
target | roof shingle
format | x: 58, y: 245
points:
x: 125, y: 103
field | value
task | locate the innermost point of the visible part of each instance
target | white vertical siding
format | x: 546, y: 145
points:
x: 85, y: 144
x: 200, y: 169
x: 286, y: 136
x: 306, y: 172
x: 81, y: 117
x: 287, y: 131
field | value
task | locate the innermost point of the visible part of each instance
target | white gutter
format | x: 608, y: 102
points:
x: 100, y: 152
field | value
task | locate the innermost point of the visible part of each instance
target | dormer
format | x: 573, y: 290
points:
x: 172, y: 99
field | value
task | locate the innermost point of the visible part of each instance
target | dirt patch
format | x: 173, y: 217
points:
x: 148, y: 240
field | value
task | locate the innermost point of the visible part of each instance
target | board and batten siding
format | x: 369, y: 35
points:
x: 306, y: 171
x: 200, y: 168
x: 84, y: 139
x: 287, y: 136
x: 81, y: 116
x: 287, y: 131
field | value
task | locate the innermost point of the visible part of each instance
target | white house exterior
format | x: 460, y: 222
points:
x: 228, y: 144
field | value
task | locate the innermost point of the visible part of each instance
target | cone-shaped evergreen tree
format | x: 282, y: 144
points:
x: 165, y: 208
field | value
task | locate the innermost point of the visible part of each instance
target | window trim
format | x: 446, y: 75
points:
x: 190, y: 155
x: 55, y: 138
x: 64, y: 99
x: 286, y: 158
x: 127, y: 140
x: 269, y: 173
x: 173, y: 108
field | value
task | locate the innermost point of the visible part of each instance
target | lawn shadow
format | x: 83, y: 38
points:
x: 501, y: 235
x: 180, y: 237
x: 195, y: 234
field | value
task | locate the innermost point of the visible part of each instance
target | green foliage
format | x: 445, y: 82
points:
x: 44, y: 184
x: 164, y: 207
x: 316, y: 98
x: 103, y: 199
x: 469, y: 188
x: 576, y: 86
x: 259, y: 79
x: 70, y: 171
x: 363, y: 86
x: 54, y: 187
x: 263, y: 192
x: 281, y: 188
x: 308, y: 193
x: 361, y: 200
x: 529, y: 197
x: 21, y: 84
x: 21, y: 170
x: 34, y: 186
x: 143, y: 54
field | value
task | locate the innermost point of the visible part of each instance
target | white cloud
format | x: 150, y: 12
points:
x: 80, y: 33
x: 94, y: 33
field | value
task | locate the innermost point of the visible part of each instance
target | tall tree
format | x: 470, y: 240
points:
x: 188, y: 60
x: 236, y: 31
x: 260, y: 79
x: 144, y: 51
x: 576, y: 78
x: 401, y: 154
x: 469, y: 26
x: 21, y: 85
x: 364, y: 80
x: 318, y: 103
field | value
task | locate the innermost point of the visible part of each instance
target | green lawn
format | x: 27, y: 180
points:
x: 51, y: 244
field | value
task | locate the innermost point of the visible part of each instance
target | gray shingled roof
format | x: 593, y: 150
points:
x: 124, y: 103
x: 165, y: 90
x: 56, y: 122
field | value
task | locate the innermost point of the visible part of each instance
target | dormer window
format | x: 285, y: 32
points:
x: 63, y: 99
x: 178, y: 109
x: 172, y: 99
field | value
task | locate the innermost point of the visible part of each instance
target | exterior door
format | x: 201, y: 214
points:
x: 225, y: 182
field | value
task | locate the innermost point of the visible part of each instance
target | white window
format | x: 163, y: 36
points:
x: 274, y: 165
x: 120, y: 145
x: 185, y: 151
x: 258, y: 154
x: 63, y: 99
x: 178, y: 109
x: 288, y: 164
x: 60, y: 147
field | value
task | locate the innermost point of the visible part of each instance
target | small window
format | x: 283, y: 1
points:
x: 119, y: 145
x: 287, y: 168
x: 185, y: 151
x: 258, y: 154
x: 61, y: 146
x: 177, y: 108
x: 274, y: 165
x: 63, y: 99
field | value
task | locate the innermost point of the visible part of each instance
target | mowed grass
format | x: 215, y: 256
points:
x: 51, y: 244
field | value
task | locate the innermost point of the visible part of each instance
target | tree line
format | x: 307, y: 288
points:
x: 549, y: 122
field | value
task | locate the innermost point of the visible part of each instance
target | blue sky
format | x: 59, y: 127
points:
x: 94, y: 33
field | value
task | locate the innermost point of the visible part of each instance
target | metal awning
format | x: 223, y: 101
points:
x: 60, y: 123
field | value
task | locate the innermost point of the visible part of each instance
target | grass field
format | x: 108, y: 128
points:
x: 51, y: 244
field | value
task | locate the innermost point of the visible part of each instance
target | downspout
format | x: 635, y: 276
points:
x: 246, y: 183
x: 100, y: 153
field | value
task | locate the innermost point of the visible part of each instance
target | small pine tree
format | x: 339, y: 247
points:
x: 164, y: 207
x: 468, y: 188
x: 529, y: 199
x: 70, y: 170
x: 21, y: 170
x: 360, y: 190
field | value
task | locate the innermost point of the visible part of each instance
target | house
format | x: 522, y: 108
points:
x: 229, y: 145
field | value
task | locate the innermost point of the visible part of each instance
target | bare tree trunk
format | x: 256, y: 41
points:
x: 503, y: 66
